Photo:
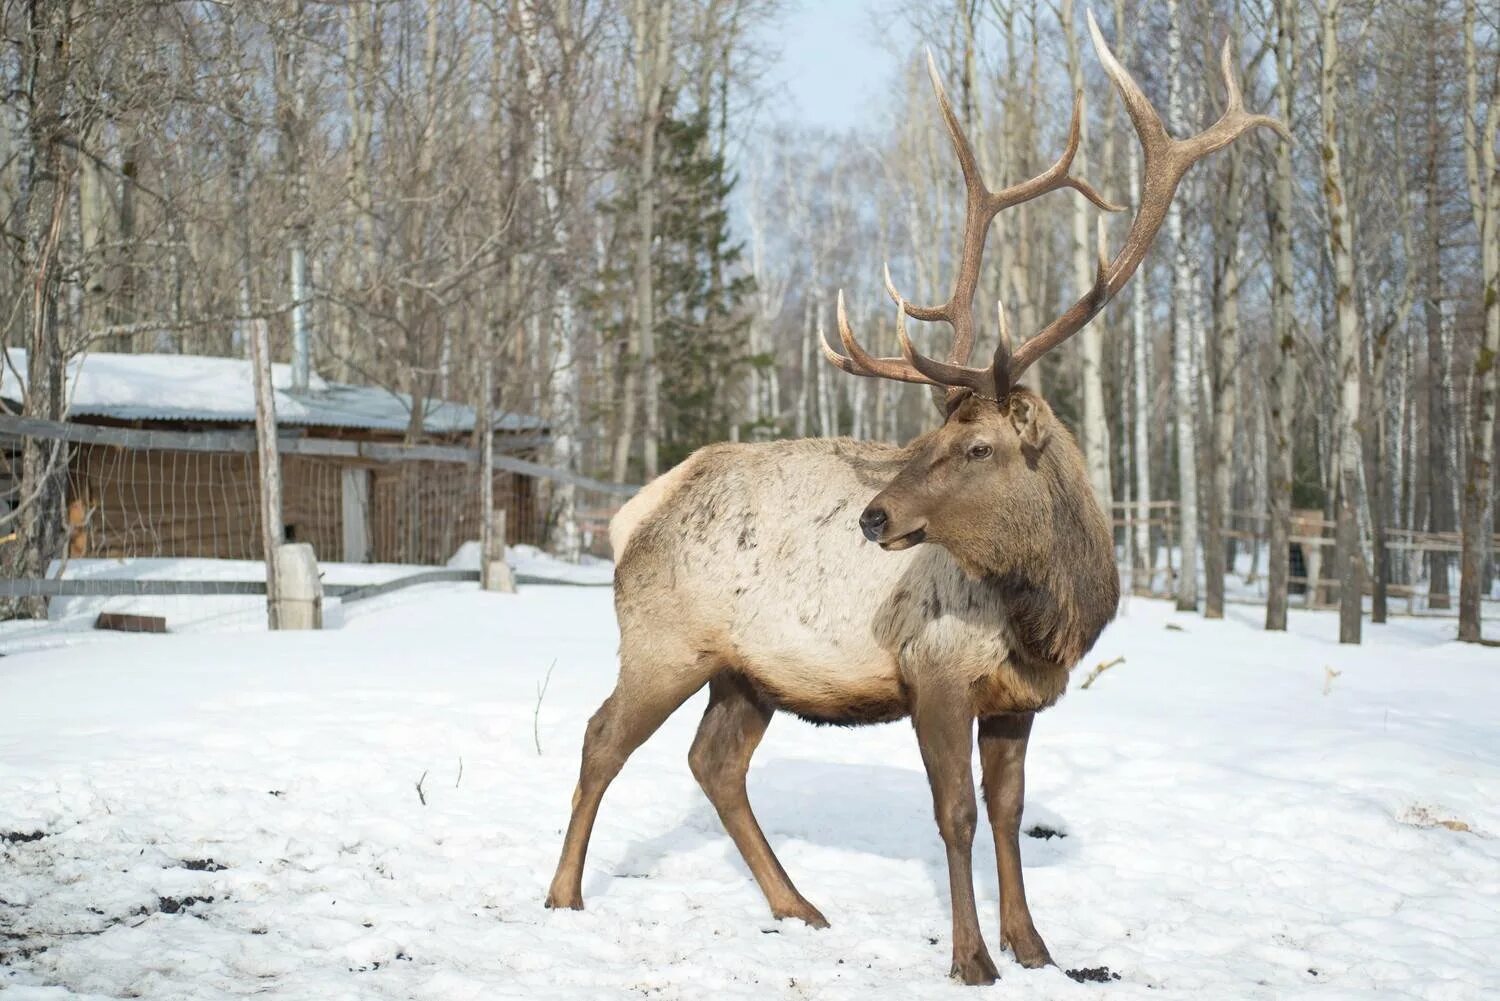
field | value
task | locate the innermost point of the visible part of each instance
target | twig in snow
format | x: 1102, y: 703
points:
x: 420, y: 794
x: 1328, y: 675
x: 460, y: 771
x: 1103, y: 666
x: 541, y: 692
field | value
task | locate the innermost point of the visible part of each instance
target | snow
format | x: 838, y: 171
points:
x: 70, y: 620
x: 189, y: 382
x: 531, y: 563
x: 155, y: 387
x: 1240, y: 821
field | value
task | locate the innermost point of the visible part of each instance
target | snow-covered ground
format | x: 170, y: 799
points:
x: 70, y: 620
x: 1245, y: 816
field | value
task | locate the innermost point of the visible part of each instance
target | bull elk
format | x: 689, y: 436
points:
x: 740, y: 569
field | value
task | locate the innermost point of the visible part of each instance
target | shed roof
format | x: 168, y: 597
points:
x: 165, y: 387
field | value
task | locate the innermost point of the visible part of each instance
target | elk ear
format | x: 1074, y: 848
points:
x: 1030, y: 421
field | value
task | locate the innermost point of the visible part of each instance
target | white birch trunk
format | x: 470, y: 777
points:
x: 1095, y: 424
x: 1341, y: 248
x: 1484, y: 201
x: 1183, y: 298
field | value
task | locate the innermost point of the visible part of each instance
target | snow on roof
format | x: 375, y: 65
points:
x: 163, y: 387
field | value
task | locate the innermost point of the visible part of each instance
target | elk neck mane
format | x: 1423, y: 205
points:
x: 1056, y: 570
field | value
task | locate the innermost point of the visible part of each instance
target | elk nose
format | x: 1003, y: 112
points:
x: 872, y: 522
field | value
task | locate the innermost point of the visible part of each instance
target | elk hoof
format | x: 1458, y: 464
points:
x: 975, y: 970
x: 560, y: 902
x: 1034, y: 958
x: 1030, y: 951
x: 804, y: 912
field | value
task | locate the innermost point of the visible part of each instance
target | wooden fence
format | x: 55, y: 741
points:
x: 1312, y: 539
x: 193, y: 494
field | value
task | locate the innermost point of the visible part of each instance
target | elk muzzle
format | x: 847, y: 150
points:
x: 877, y: 526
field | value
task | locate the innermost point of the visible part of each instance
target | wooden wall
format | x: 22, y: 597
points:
x: 127, y: 503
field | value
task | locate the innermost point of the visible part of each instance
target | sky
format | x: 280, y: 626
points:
x: 833, y: 68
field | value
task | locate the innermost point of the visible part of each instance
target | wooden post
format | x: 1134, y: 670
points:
x: 494, y: 572
x: 270, y: 460
x: 482, y: 418
x: 299, y: 588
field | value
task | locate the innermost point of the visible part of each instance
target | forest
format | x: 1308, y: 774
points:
x: 591, y: 211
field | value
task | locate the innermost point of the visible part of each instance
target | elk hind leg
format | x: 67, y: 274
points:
x: 732, y: 727
x: 640, y: 703
x: 1002, y: 754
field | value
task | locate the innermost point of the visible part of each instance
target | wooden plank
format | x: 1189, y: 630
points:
x: 87, y: 588
x: 88, y: 434
x: 120, y: 622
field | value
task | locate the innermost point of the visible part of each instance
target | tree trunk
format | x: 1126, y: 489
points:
x: 1095, y: 424
x: 1484, y: 200
x: 272, y: 532
x: 291, y: 118
x: 1341, y: 249
x: 1223, y: 359
x: 1281, y: 390
x: 651, y: 31
x: 43, y: 207
x: 1184, y: 405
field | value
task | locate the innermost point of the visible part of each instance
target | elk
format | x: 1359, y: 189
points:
x: 760, y: 571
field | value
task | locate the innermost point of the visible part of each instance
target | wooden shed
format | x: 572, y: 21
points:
x: 162, y: 463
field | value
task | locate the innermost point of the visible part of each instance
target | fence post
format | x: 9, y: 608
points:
x: 494, y: 572
x: 270, y: 460
x: 299, y: 597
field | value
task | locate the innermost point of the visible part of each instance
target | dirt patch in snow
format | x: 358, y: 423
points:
x: 22, y: 837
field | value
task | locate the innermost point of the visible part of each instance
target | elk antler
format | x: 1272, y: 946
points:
x: 981, y: 207
x: 1166, y: 161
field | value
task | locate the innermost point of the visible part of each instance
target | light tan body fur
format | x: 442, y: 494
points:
x: 825, y: 623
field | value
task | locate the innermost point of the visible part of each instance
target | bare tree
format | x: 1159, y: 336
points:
x: 1340, y: 235
x: 49, y: 102
x: 1184, y: 404
x: 1095, y: 426
x: 1484, y: 201
x: 651, y: 64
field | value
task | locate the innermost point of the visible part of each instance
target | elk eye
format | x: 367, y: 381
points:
x: 980, y: 451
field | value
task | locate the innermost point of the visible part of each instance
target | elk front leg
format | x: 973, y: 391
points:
x: 945, y: 733
x: 1002, y: 755
x: 732, y: 727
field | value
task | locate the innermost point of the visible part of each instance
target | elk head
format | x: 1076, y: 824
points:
x: 1002, y: 484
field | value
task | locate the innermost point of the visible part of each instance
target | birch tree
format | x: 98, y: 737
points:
x: 1183, y: 400
x: 49, y: 167
x: 651, y: 67
x: 1484, y: 202
x: 1140, y: 357
x: 552, y: 140
x: 1095, y: 425
x: 1340, y: 235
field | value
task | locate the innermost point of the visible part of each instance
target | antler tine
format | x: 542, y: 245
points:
x: 1235, y: 121
x: 1166, y: 161
x: 977, y: 380
x: 967, y: 162
x: 860, y: 362
x: 1058, y: 175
